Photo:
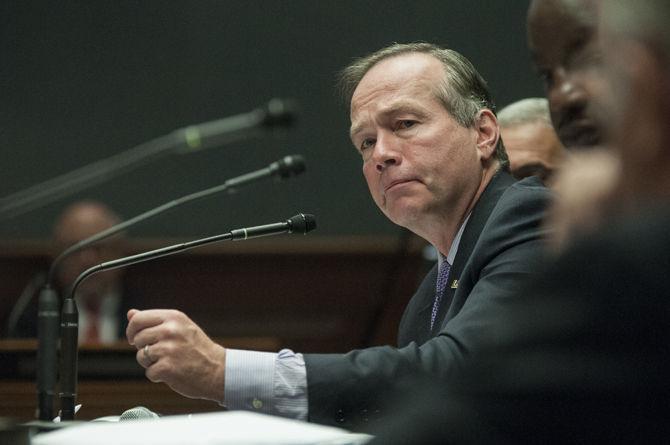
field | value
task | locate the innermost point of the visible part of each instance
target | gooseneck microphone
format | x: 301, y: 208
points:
x: 48, y: 303
x: 276, y: 113
x: 298, y: 224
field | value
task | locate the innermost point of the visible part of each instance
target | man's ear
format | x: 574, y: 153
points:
x: 488, y: 133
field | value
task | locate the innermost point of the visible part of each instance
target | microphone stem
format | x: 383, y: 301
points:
x: 69, y: 344
x: 48, y: 318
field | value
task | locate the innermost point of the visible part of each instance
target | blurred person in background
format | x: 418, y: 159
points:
x: 531, y: 142
x: 99, y: 298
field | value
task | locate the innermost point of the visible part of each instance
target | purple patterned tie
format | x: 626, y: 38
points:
x: 442, y: 278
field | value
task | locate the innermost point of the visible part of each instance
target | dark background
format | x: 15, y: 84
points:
x: 84, y: 80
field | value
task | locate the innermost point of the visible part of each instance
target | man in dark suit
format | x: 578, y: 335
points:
x: 423, y: 122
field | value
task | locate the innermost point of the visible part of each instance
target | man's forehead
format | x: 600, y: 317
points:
x: 561, y: 16
x: 396, y: 70
x: 583, y: 11
x: 557, y: 27
x: 396, y: 76
x: 412, y: 105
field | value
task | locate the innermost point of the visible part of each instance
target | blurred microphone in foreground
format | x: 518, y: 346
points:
x: 277, y: 113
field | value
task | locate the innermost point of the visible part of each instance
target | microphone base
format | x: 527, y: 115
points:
x: 67, y: 407
x: 45, y: 400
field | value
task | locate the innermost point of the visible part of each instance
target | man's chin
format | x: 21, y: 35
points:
x: 403, y: 214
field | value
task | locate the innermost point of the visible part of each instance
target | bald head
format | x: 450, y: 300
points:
x: 82, y: 220
x: 78, y: 222
x: 530, y: 140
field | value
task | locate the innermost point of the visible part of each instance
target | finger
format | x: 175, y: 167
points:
x: 148, y: 336
x: 142, y: 320
x: 131, y: 313
x: 155, y: 373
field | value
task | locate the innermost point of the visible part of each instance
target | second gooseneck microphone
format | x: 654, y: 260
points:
x: 284, y: 168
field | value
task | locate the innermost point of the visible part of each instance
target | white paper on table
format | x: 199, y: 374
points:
x: 225, y: 428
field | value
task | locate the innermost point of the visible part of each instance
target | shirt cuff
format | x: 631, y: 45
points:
x: 290, y: 386
x: 249, y: 380
x: 267, y: 383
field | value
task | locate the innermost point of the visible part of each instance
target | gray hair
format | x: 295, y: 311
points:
x: 642, y: 19
x: 525, y: 111
x: 463, y: 92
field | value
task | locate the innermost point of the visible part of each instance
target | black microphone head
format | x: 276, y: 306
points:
x: 288, y: 166
x: 280, y: 113
x: 302, y: 223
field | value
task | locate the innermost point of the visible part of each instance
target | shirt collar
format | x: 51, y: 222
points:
x: 454, y: 246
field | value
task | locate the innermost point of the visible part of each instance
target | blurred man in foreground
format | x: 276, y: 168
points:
x: 564, y: 41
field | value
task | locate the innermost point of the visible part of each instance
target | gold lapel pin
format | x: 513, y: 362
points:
x: 454, y: 284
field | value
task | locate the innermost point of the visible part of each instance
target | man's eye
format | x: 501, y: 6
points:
x: 405, y: 123
x: 367, y: 143
x: 546, y: 77
x: 585, y: 59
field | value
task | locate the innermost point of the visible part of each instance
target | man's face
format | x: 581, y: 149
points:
x: 80, y: 223
x: 533, y: 149
x: 417, y: 160
x: 563, y: 40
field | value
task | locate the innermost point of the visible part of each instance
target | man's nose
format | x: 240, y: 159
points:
x: 386, y: 152
x: 567, y: 93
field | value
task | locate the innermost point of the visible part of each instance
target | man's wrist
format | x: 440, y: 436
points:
x: 219, y: 385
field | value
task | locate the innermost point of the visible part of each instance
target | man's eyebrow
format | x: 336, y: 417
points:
x: 354, y: 130
x: 393, y: 109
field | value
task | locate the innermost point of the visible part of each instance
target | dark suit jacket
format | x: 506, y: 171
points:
x: 499, y: 249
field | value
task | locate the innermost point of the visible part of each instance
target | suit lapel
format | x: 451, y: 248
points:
x: 415, y: 325
x: 478, y: 218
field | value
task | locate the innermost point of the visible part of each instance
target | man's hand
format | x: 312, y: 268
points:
x: 174, y: 350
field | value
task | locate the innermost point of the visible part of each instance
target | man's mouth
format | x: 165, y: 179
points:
x: 397, y: 183
x: 579, y: 133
